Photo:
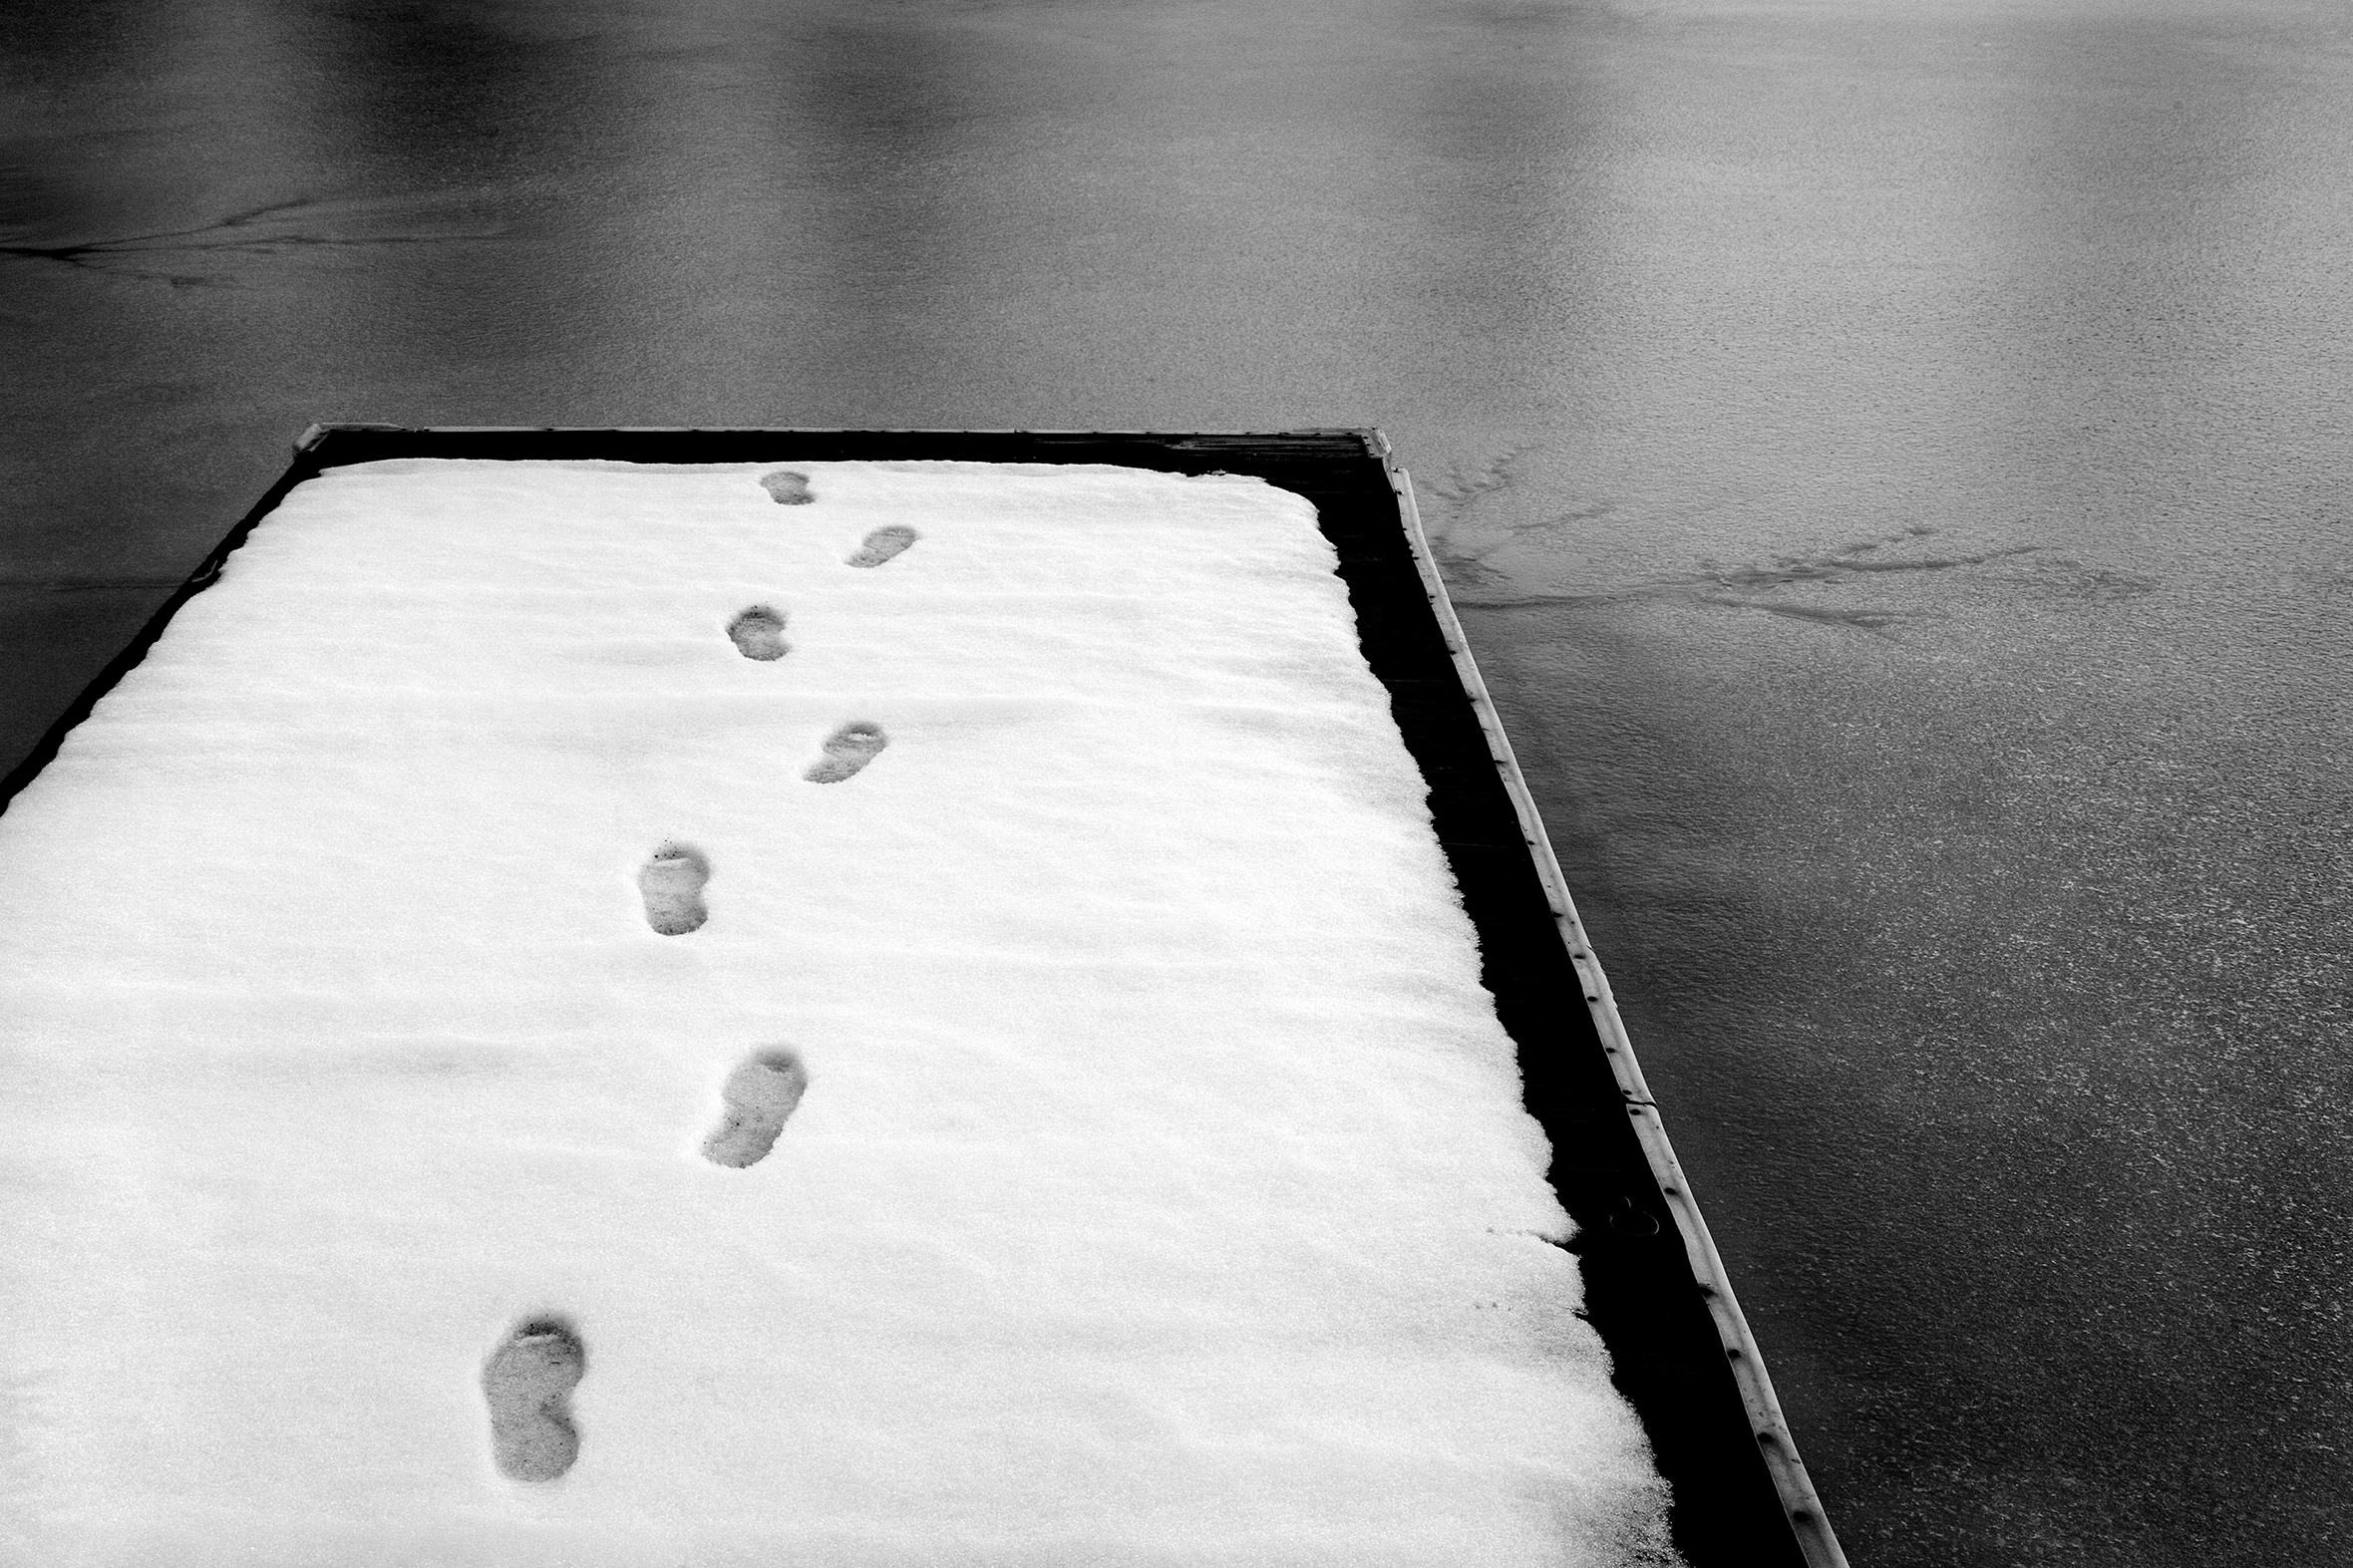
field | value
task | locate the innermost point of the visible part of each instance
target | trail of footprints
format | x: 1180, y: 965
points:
x: 528, y: 1382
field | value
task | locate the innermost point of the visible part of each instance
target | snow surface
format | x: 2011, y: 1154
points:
x: 1151, y: 1187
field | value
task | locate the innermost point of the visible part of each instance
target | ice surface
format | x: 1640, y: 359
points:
x: 399, y: 966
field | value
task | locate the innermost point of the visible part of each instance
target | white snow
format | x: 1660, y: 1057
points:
x: 1157, y: 1191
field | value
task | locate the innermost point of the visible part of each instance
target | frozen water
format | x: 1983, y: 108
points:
x: 1164, y: 1195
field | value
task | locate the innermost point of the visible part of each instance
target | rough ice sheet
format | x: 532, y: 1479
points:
x: 1150, y: 1184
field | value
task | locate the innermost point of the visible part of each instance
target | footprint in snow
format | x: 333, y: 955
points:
x: 883, y: 544
x: 672, y: 883
x: 787, y: 487
x: 759, y: 633
x: 758, y: 1097
x: 847, y: 750
x: 527, y: 1384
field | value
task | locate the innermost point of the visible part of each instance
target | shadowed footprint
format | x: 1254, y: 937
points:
x: 847, y: 750
x: 672, y: 883
x: 758, y: 1095
x: 527, y: 1384
x: 789, y: 488
x: 759, y: 633
x: 883, y: 544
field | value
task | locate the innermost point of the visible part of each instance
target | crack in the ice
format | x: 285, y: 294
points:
x: 1461, y: 491
x: 1469, y: 568
x: 1734, y: 588
x: 232, y: 233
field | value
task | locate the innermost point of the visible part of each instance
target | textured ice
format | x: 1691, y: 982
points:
x: 389, y: 965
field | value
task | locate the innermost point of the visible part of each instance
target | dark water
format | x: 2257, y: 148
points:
x: 1895, y: 460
